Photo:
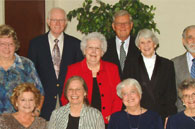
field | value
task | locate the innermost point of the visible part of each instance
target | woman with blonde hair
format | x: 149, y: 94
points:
x: 25, y: 99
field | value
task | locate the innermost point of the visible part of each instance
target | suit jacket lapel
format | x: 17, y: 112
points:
x: 62, y: 64
x: 156, y: 72
x: 143, y: 71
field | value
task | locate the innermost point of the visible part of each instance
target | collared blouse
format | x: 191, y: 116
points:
x: 90, y: 118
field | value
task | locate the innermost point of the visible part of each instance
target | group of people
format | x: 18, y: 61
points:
x: 92, y: 84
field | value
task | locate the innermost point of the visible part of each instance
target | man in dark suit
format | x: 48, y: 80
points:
x: 51, y: 54
x: 183, y: 63
x: 122, y: 25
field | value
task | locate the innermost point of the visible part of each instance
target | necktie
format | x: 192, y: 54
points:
x: 193, y: 69
x: 122, y: 55
x: 56, y: 57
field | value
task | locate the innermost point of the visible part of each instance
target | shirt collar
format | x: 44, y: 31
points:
x: 52, y: 38
x: 126, y: 41
x: 18, y: 62
x: 189, y: 56
x: 86, y: 69
x: 151, y: 58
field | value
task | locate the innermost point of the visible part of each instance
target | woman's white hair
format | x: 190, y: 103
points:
x: 94, y: 36
x: 146, y: 33
x: 130, y: 82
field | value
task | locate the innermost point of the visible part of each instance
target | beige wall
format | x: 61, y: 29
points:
x: 2, y: 16
x: 172, y: 16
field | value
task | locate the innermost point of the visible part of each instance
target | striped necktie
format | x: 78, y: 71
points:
x: 56, y: 57
x: 122, y: 55
x: 193, y: 69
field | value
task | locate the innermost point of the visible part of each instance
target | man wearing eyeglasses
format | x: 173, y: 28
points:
x: 122, y: 47
x: 185, y: 63
x: 51, y: 54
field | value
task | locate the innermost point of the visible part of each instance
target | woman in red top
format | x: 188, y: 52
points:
x: 101, y: 77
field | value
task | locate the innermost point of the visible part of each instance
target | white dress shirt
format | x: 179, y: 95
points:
x: 52, y: 43
x: 189, y: 60
x: 149, y: 64
x: 118, y: 45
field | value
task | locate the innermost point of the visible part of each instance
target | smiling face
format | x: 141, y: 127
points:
x: 147, y: 47
x: 7, y: 47
x: 26, y: 102
x: 57, y: 22
x: 93, y: 51
x: 130, y: 96
x: 189, y: 98
x: 189, y: 41
x: 122, y: 26
x: 76, y: 93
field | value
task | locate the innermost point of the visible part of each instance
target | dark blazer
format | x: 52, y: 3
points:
x: 181, y: 73
x: 112, y: 56
x: 159, y: 93
x: 39, y: 53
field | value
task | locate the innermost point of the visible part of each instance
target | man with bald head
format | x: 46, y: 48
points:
x: 51, y: 54
x: 184, y: 66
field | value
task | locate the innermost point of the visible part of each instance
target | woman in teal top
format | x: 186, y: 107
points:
x: 14, y: 69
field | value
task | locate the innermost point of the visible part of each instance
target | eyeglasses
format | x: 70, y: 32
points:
x: 97, y: 49
x: 7, y: 44
x: 121, y: 24
x: 192, y: 96
x: 77, y: 90
x: 57, y: 20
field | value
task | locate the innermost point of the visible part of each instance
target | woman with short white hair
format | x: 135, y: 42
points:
x: 101, y: 76
x: 156, y: 75
x: 134, y: 116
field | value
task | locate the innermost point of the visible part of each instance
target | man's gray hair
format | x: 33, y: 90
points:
x: 186, y: 29
x: 122, y: 13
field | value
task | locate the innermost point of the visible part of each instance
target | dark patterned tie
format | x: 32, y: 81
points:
x: 122, y: 55
x: 193, y: 69
x: 56, y: 57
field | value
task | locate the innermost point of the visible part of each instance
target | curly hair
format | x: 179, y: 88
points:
x: 25, y: 87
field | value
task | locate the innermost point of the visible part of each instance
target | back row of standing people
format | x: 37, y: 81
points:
x: 52, y: 52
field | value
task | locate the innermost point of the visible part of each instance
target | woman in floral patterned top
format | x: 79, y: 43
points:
x: 14, y: 69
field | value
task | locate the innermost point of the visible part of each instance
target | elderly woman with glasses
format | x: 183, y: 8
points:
x: 101, y: 77
x: 14, y: 70
x: 134, y: 116
x: 155, y: 74
x: 185, y: 119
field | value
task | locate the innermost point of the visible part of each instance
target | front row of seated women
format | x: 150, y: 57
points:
x: 78, y: 114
